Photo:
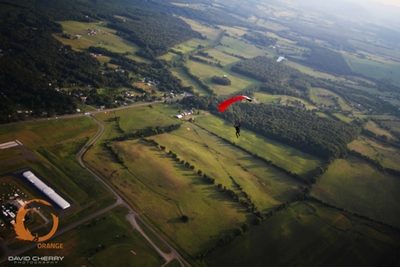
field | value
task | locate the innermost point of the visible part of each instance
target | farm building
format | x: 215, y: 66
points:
x: 48, y: 191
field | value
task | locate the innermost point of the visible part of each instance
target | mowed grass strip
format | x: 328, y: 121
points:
x: 265, y: 185
x: 205, y: 72
x: 169, y: 190
x: 98, y: 241
x: 281, y: 155
x: 357, y: 186
x: 308, y: 234
x: 388, y: 156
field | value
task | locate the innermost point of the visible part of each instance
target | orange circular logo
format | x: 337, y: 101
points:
x: 23, y: 233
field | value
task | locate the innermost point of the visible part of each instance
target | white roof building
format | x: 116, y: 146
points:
x: 48, y: 191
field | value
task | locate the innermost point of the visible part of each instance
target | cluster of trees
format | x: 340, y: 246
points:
x: 259, y: 39
x: 323, y: 137
x: 327, y: 60
x: 221, y: 80
x: 265, y: 69
x: 205, y: 61
x: 154, y: 32
x: 149, y: 131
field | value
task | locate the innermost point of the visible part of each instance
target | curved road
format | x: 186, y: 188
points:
x: 132, y: 216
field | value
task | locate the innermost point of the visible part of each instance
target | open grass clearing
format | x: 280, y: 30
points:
x: 265, y: 185
x: 324, y: 234
x: 280, y: 154
x: 359, y: 187
x: 388, y: 156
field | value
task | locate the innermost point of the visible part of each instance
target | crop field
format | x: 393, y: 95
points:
x: 191, y: 45
x: 206, y: 72
x: 325, y: 97
x: 342, y: 117
x: 168, y: 191
x: 235, y: 46
x: 98, y: 241
x: 265, y: 185
x: 359, y: 187
x: 374, y: 69
x: 104, y: 37
x: 324, y: 234
x: 310, y: 71
x: 379, y: 131
x: 236, y: 31
x: 387, y: 156
x: 281, y: 155
x: 283, y: 100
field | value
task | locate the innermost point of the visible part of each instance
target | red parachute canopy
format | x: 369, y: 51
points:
x: 225, y: 104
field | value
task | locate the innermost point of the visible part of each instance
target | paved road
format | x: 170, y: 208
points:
x: 132, y: 216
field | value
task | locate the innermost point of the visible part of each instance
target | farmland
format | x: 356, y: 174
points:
x: 97, y: 241
x: 83, y: 35
x: 327, y: 98
x: 324, y: 233
x: 205, y: 72
x: 265, y: 185
x: 281, y: 155
x: 283, y: 100
x: 388, y: 156
x: 359, y: 187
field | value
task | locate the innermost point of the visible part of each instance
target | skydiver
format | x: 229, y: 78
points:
x: 237, y: 127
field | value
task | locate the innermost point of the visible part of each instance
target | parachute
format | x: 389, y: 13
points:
x: 225, y: 104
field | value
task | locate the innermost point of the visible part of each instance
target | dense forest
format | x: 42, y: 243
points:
x: 326, y: 60
x: 265, y: 69
x: 154, y: 32
x: 323, y: 137
x: 259, y: 39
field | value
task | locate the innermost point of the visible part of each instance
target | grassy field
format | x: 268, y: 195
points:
x: 357, y: 186
x: 235, y: 46
x: 142, y: 117
x: 187, y: 81
x: 222, y: 57
x: 49, y: 149
x: 393, y: 124
x: 379, y: 131
x: 282, y: 155
x: 210, y: 32
x: 325, y: 97
x: 206, y: 72
x: 283, y: 100
x: 150, y: 180
x: 308, y: 234
x: 115, y: 234
x: 386, y: 155
x: 105, y: 37
x: 374, y: 69
x: 179, y: 191
x: 265, y: 185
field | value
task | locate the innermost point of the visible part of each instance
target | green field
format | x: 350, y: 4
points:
x: 166, y: 191
x: 210, y: 32
x: 187, y: 81
x: 206, y: 72
x: 308, y: 234
x: 222, y: 57
x: 388, y: 156
x: 115, y: 234
x: 282, y: 155
x: 105, y: 37
x: 49, y: 149
x: 379, y: 131
x: 356, y: 186
x: 265, y: 185
x: 374, y: 69
x: 236, y: 46
x: 283, y: 100
x: 327, y: 98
